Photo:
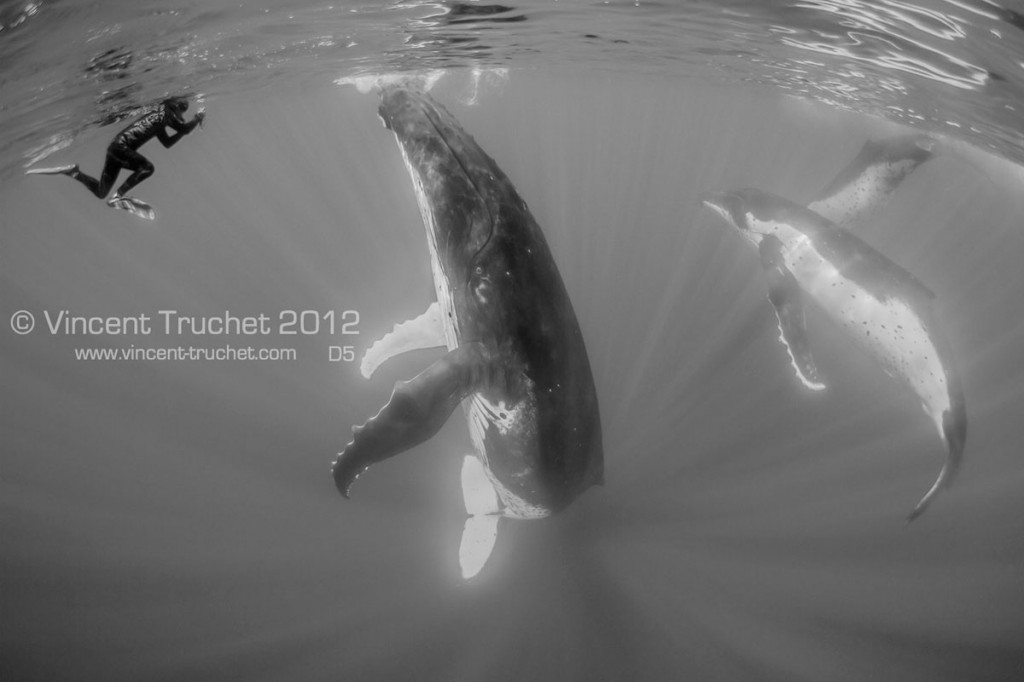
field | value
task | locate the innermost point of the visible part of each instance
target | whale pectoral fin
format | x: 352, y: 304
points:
x: 416, y: 411
x: 425, y: 331
x: 784, y: 293
x: 946, y: 475
x: 478, y: 537
x: 954, y: 433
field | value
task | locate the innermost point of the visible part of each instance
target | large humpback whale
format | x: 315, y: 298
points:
x: 883, y: 308
x: 515, y: 359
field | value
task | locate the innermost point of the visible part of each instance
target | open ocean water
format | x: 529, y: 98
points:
x: 176, y: 520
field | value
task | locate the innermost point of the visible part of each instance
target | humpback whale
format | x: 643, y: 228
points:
x: 882, y: 307
x: 864, y: 186
x: 515, y: 355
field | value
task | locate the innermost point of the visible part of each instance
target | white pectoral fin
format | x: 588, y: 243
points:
x: 417, y: 409
x: 784, y: 293
x: 478, y: 538
x: 425, y: 331
x: 481, y: 529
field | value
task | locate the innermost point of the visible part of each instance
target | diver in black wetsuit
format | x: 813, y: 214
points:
x: 122, y: 154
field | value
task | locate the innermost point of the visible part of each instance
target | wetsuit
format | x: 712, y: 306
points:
x: 122, y: 150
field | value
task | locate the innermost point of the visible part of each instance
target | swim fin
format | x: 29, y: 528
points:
x: 54, y: 170
x: 132, y: 205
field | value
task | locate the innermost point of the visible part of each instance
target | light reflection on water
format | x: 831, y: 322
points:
x: 883, y: 58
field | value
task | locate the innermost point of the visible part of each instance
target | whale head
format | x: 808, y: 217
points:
x: 753, y: 212
x: 729, y: 206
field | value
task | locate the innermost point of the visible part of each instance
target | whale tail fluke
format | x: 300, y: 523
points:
x: 480, y: 531
x: 954, y: 431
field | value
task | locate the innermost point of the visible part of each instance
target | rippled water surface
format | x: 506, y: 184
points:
x: 168, y: 520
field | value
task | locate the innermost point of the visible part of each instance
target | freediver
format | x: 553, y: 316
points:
x: 123, y: 154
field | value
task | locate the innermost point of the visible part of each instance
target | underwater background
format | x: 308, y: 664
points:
x: 169, y: 520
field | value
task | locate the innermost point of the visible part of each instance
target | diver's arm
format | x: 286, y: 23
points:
x: 181, y: 129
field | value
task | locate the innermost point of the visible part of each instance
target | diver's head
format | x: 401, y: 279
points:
x: 177, y: 104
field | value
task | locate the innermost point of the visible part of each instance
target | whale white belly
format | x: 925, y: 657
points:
x: 890, y: 330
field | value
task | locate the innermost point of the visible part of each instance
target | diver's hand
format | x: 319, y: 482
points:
x: 200, y: 115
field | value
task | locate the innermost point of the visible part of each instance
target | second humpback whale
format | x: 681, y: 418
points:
x: 882, y: 307
x: 515, y: 355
